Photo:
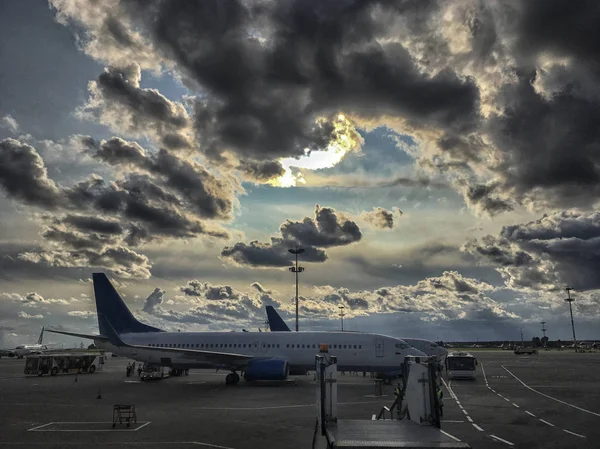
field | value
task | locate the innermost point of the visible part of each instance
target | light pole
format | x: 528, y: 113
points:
x: 296, y: 269
x: 570, y: 300
x: 341, y: 307
x: 544, y: 331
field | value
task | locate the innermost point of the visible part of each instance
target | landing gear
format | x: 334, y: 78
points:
x: 232, y: 378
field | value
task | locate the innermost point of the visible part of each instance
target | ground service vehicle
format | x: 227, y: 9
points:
x: 461, y: 365
x: 64, y: 363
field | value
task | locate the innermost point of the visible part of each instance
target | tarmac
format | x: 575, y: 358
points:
x: 548, y: 400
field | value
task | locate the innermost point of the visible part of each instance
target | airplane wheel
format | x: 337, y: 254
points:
x: 387, y: 381
x: 92, y: 369
x: 236, y: 378
x: 54, y: 371
x: 230, y: 379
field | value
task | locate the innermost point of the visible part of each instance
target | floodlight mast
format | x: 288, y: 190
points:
x: 570, y: 301
x: 296, y: 269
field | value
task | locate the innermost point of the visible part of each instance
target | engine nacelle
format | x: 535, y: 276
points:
x: 267, y: 369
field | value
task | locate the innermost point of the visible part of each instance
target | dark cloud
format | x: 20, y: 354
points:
x: 118, y: 101
x: 207, y: 291
x: 153, y: 300
x: 328, y: 229
x: 272, y: 76
x: 381, y: 218
x: 200, y: 189
x: 550, y: 253
x: 261, y: 171
x: 274, y: 254
x: 23, y: 175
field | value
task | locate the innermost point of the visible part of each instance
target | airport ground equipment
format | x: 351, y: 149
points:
x: 124, y: 412
x: 461, y: 365
x: 64, y: 362
x: 522, y: 350
x: 418, y: 428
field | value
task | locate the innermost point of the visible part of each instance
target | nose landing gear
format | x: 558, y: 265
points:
x: 232, y: 378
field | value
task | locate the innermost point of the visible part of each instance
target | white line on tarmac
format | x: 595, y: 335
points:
x: 550, y: 397
x: 506, y: 399
x: 484, y: 376
x: 275, y: 407
x: 500, y: 439
x: 448, y: 435
x: 515, y: 405
x: 470, y: 419
x: 546, y: 422
x: 530, y: 414
x: 477, y: 427
x: 451, y: 420
x: 573, y: 433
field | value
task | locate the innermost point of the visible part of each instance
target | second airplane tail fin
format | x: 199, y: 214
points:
x: 111, y: 309
x: 41, y: 337
x: 276, y: 323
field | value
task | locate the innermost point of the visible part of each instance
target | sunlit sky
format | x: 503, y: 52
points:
x: 437, y: 160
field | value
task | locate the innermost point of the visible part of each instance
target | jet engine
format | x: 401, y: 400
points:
x: 267, y: 369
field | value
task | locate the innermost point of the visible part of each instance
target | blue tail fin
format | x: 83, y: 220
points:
x: 111, y: 309
x: 276, y: 323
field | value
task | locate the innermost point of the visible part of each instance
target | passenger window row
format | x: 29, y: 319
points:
x: 244, y: 345
x: 330, y: 346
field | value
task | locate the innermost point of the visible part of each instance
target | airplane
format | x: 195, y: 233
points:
x: 276, y: 324
x: 259, y: 355
x: 23, y: 350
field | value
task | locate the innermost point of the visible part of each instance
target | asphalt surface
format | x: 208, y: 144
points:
x: 200, y: 411
x: 548, y: 400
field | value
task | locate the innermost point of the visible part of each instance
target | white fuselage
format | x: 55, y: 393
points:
x: 24, y: 350
x: 355, y: 351
x: 428, y: 347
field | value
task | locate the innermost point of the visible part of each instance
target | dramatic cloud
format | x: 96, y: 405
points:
x: 381, y: 218
x: 26, y: 316
x: 217, y: 305
x: 557, y: 250
x: 328, y: 229
x: 154, y: 300
x: 165, y: 198
x: 117, y: 100
x: 84, y: 314
x: 23, y: 175
x: 448, y: 297
x: 9, y: 123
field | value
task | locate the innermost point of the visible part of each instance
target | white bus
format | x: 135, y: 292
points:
x: 64, y: 363
x: 461, y: 365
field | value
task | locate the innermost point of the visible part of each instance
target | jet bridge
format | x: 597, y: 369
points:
x: 415, y: 424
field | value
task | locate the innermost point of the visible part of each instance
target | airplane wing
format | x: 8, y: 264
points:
x: 75, y: 334
x: 224, y: 358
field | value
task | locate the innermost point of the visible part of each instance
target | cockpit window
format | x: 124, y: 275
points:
x: 402, y: 346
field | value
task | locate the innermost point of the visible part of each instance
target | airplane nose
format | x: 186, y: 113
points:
x: 416, y: 352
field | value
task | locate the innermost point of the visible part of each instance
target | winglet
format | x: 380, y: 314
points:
x: 276, y: 323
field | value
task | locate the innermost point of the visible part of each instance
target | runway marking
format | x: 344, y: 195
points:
x: 470, y: 419
x: 449, y: 420
x: 573, y: 433
x: 448, y: 435
x: 464, y: 411
x: 530, y: 414
x: 493, y: 390
x: 549, y: 397
x: 484, y: 376
x: 546, y: 422
x: 42, y: 427
x: 477, y: 427
x: 503, y: 440
x: 515, y: 405
x: 275, y: 407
